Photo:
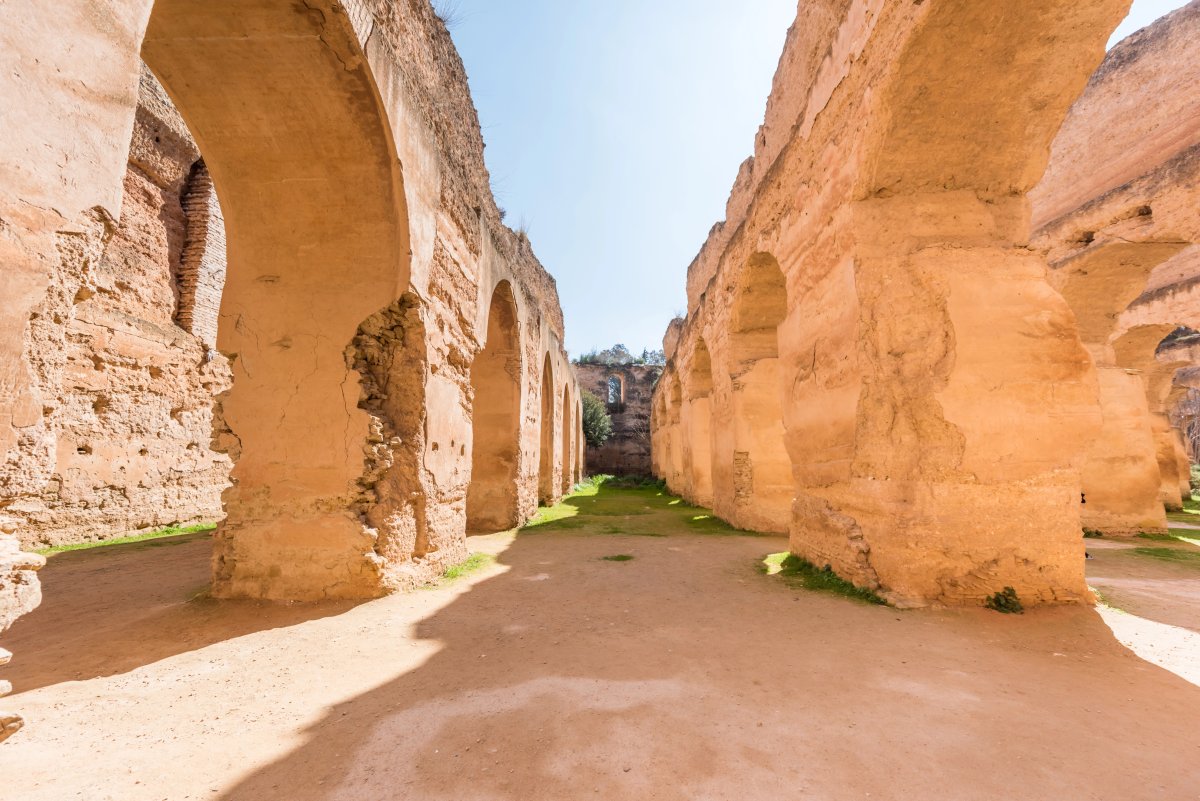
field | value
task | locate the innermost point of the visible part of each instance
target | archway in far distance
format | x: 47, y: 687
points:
x: 762, y: 471
x: 568, y: 429
x: 496, y: 418
x: 546, y: 448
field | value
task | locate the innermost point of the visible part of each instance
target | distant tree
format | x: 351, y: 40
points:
x: 654, y: 357
x: 592, y: 357
x: 597, y: 425
x: 619, y: 355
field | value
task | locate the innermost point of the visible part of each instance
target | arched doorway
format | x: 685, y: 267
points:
x: 283, y: 104
x: 546, y: 490
x: 697, y: 427
x: 496, y: 419
x: 762, y: 471
x: 568, y: 431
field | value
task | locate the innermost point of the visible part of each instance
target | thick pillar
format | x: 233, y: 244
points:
x: 1184, y: 466
x: 976, y: 401
x: 1121, y: 474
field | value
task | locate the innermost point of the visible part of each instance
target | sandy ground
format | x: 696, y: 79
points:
x: 681, y: 674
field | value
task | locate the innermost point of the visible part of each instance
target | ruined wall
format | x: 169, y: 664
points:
x: 352, y: 313
x: 125, y: 390
x: 363, y: 247
x: 1116, y: 216
x: 929, y: 386
x: 627, y: 452
x: 462, y: 253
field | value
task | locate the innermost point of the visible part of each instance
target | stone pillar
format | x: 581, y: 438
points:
x: 1184, y: 465
x: 1168, y: 465
x: 19, y: 593
x: 976, y: 401
x: 1121, y: 475
x: 697, y: 450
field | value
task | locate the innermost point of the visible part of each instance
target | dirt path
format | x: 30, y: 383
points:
x: 682, y: 673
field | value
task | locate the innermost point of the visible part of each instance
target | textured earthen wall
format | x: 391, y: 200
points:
x: 1117, y: 213
x: 627, y: 452
x: 934, y: 396
x: 364, y: 247
x: 127, y: 392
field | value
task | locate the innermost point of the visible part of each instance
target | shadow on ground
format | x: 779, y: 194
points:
x: 1157, y: 579
x: 116, y: 608
x: 684, y: 673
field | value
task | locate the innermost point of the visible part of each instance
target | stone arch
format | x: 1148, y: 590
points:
x: 761, y: 470
x: 283, y: 105
x: 580, y: 443
x: 546, y: 461
x: 615, y: 391
x: 697, y: 427
x: 945, y: 288
x: 496, y: 419
x: 568, y: 434
x: 200, y: 278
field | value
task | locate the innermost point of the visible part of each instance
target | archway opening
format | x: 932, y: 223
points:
x: 284, y: 106
x: 762, y: 470
x: 698, y: 427
x: 496, y: 419
x: 546, y: 493
x: 568, y: 428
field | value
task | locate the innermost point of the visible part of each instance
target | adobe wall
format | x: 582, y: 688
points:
x: 933, y: 396
x: 627, y: 451
x: 126, y: 390
x: 1116, y: 214
x: 363, y: 249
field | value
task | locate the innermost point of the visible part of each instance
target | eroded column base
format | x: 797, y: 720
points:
x: 950, y: 544
x: 297, y: 558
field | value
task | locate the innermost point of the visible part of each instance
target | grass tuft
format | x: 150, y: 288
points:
x: 473, y: 564
x: 620, y: 557
x: 803, y: 573
x: 169, y: 531
x: 1184, y: 555
x: 1092, y: 534
x: 1155, y: 535
x: 1005, y: 601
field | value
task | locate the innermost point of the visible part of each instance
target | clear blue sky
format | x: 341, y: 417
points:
x: 614, y: 131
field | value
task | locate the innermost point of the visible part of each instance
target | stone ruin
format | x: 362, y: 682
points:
x: 952, y: 297
x: 933, y: 319
x: 626, y: 390
x: 298, y: 313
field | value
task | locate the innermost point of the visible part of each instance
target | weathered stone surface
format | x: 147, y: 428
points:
x: 627, y: 452
x: 932, y: 392
x: 364, y: 249
x: 127, y: 394
x: 1116, y: 214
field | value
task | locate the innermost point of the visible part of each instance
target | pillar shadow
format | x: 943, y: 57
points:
x: 110, y: 610
x: 683, y: 673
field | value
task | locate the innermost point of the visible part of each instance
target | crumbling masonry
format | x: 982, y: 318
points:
x: 368, y: 282
x: 898, y: 350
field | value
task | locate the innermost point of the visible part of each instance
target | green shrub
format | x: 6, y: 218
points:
x: 1005, y: 601
x: 597, y: 425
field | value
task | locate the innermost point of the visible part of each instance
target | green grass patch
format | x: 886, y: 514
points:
x: 169, y: 531
x: 619, y: 557
x: 1155, y: 535
x: 473, y: 564
x: 630, y: 508
x: 1183, y: 555
x: 1005, y: 601
x: 800, y: 572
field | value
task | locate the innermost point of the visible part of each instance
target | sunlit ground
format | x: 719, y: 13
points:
x: 624, y: 645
